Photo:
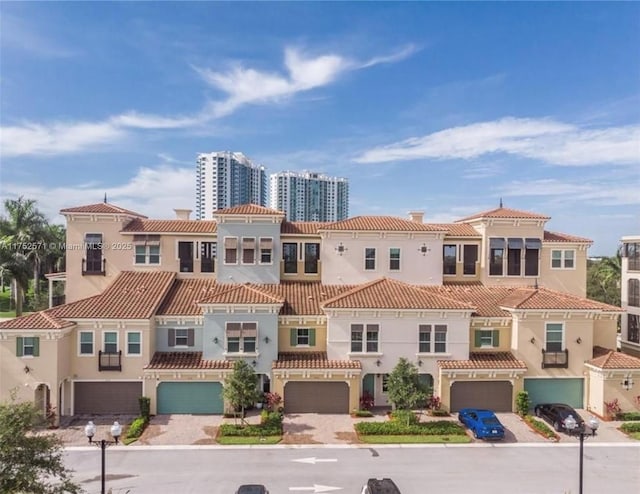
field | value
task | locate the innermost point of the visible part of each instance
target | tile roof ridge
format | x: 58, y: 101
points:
x: 354, y: 289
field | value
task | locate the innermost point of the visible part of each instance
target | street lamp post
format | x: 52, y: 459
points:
x: 116, y: 432
x: 572, y: 427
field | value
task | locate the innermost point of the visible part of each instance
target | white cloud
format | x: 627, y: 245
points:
x: 542, y: 139
x: 145, y: 121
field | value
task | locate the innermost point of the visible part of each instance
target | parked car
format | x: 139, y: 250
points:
x: 380, y: 486
x: 483, y: 423
x: 556, y: 413
x: 252, y: 489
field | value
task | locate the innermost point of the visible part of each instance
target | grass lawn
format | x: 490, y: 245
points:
x: 229, y: 440
x: 390, y: 439
x: 635, y: 435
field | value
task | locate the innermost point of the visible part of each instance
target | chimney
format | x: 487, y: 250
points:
x: 182, y: 214
x: 417, y: 216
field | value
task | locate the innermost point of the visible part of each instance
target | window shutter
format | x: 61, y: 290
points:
x: 172, y: 337
x: 191, y: 337
x: 36, y: 347
x: 19, y: 346
x: 496, y: 337
x: 477, y: 337
x: 312, y: 337
x: 293, y: 337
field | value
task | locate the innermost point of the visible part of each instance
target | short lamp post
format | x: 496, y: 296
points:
x: 116, y: 432
x: 573, y: 428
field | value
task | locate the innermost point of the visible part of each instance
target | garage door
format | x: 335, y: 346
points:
x: 188, y: 397
x: 494, y: 395
x: 106, y: 397
x: 316, y: 397
x: 569, y: 391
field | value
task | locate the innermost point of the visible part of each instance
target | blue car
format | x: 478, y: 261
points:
x: 483, y: 423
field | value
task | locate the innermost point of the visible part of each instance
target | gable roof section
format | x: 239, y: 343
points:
x: 248, y: 209
x: 457, y: 229
x: 486, y: 300
x: 185, y: 360
x: 610, y: 359
x: 185, y: 294
x: 243, y: 294
x: 563, y: 237
x: 38, y: 320
x: 139, y: 225
x: 132, y: 295
x: 505, y: 213
x: 386, y: 293
x: 302, y: 227
x: 306, y: 297
x: 381, y: 223
x: 101, y: 208
x: 485, y: 360
x: 543, y: 298
x: 312, y: 360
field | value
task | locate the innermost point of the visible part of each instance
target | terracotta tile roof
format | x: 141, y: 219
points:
x: 386, y: 293
x: 132, y: 295
x: 543, y: 298
x: 100, y: 208
x: 248, y: 209
x: 38, y: 320
x: 486, y: 300
x: 243, y: 294
x: 312, y: 360
x: 457, y: 229
x: 563, y: 237
x: 184, y: 295
x: 381, y: 223
x: 185, y: 360
x: 170, y: 226
x: 506, y: 213
x: 305, y: 298
x: 484, y: 360
x: 609, y: 359
x: 302, y: 227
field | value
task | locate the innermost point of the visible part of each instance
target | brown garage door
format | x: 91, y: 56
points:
x: 316, y: 397
x: 103, y: 398
x: 494, y: 395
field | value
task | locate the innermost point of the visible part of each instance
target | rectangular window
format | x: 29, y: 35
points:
x: 554, y: 337
x: 514, y: 257
x: 230, y: 250
x: 385, y: 383
x: 290, y: 257
x: 531, y: 256
x: 369, y: 258
x: 633, y: 328
x: 424, y: 338
x: 134, y: 346
x: 449, y: 259
x: 633, y: 292
x: 632, y: 252
x: 233, y: 344
x: 470, y: 258
x: 487, y: 338
x: 562, y: 259
x: 248, y: 250
x: 372, y: 337
x: 110, y: 342
x: 86, y: 343
x: 311, y: 258
x: 356, y: 337
x: 28, y: 346
x: 241, y: 337
x: 185, y: 255
x: 207, y: 257
x: 93, y: 253
x: 266, y: 250
x: 147, y: 254
x: 182, y: 337
x: 394, y: 259
x: 440, y: 339
x: 302, y: 337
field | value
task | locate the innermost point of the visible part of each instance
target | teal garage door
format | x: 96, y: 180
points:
x: 569, y: 391
x: 190, y: 397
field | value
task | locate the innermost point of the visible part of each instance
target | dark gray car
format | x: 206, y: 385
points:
x: 252, y: 489
x: 556, y: 414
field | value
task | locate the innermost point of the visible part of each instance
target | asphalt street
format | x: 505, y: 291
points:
x: 477, y: 469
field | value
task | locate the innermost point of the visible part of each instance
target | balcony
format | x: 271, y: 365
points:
x: 555, y: 360
x: 94, y: 267
x: 110, y: 361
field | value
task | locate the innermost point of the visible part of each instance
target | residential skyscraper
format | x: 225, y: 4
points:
x: 309, y: 196
x: 225, y: 179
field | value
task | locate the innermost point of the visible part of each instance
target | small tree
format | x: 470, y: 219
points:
x: 403, y: 386
x: 523, y: 403
x: 241, y: 387
x: 30, y: 462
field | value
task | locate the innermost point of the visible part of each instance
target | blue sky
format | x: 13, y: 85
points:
x: 442, y: 107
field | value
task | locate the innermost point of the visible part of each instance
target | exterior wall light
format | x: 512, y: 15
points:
x: 266, y: 339
x: 378, y: 362
x: 532, y: 340
x: 579, y: 340
x: 215, y: 340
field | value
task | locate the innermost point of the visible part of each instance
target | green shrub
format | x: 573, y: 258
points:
x: 362, y: 413
x: 523, y: 403
x: 136, y: 428
x: 540, y: 427
x: 145, y: 406
x: 270, y: 419
x: 406, y: 417
x: 393, y: 427
x: 250, y: 430
x: 629, y: 427
x: 626, y: 416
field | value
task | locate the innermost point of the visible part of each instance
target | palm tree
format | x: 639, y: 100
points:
x: 22, y: 244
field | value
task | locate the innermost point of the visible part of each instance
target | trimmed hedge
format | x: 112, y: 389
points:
x: 628, y: 416
x: 629, y: 427
x: 135, y: 430
x: 362, y: 413
x: 250, y: 430
x: 406, y: 417
x: 438, y: 428
x: 541, y: 427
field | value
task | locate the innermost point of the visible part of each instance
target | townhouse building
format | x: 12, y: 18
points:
x: 630, y: 295
x: 484, y: 307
